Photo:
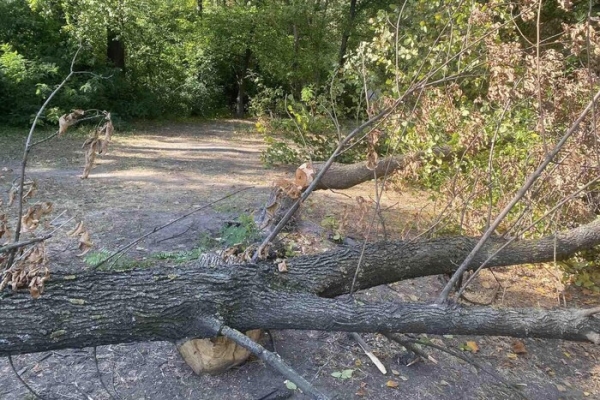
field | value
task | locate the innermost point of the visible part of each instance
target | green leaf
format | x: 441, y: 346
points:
x: 347, y: 373
x: 336, y: 374
x: 290, y: 385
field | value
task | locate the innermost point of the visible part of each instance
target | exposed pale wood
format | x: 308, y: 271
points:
x: 215, y: 355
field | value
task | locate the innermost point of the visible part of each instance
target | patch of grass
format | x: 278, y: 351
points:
x: 245, y: 232
x: 179, y: 257
x: 225, y: 207
x: 119, y: 263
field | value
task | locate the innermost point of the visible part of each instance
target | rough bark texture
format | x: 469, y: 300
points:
x: 99, y: 308
x: 344, y: 176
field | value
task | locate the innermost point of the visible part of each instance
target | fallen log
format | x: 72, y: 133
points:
x: 99, y: 308
x: 344, y: 176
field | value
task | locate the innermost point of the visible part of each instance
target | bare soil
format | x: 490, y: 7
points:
x: 158, y: 172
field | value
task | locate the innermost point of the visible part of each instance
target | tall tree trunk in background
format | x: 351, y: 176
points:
x: 199, y: 7
x: 115, y: 50
x: 346, y: 34
x: 239, y: 106
x: 296, y: 84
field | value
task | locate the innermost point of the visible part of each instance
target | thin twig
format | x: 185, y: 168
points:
x: 538, y: 78
x: 518, y: 196
x: 136, y: 241
x: 44, y: 139
x: 100, y: 375
x: 410, y: 346
x: 18, y: 245
x: 273, y: 360
x: 558, y: 205
x: 367, y: 349
x: 28, y: 143
x: 29, y: 388
x: 175, y: 236
x: 474, y: 363
x: 61, y: 225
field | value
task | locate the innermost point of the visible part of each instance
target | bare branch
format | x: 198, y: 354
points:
x: 18, y: 245
x: 159, y: 228
x: 274, y: 361
x: 518, y: 196
x: 29, y: 388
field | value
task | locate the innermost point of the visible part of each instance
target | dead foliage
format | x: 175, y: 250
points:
x: 67, y: 120
x: 97, y: 143
x: 372, y: 157
x: 84, y: 241
x: 29, y: 270
x: 5, y: 231
x: 31, y: 219
x: 29, y: 188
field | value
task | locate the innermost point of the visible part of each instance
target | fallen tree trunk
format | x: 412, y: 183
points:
x: 338, y: 176
x: 99, y: 308
x: 344, y: 176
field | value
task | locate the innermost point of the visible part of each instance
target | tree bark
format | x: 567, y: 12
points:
x: 344, y: 176
x: 99, y: 308
x: 115, y: 50
x: 346, y: 34
x: 240, y: 99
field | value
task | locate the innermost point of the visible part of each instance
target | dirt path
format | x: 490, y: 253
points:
x: 157, y: 173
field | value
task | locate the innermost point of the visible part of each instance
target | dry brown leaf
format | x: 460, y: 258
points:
x: 373, y: 137
x: 372, y: 159
x: 85, y: 243
x: 372, y: 156
x: 108, y: 129
x: 29, y: 187
x: 28, y: 221
x: 29, y: 271
x: 78, y: 230
x: 35, y: 291
x: 392, y: 384
x: 45, y: 208
x: 518, y: 347
x: 472, y: 346
x: 11, y: 197
x: 4, y: 227
x: 67, y: 120
x: 90, y: 157
x: 282, y: 266
x: 37, y: 255
x: 96, y: 145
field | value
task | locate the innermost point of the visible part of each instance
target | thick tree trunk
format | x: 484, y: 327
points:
x: 240, y: 99
x: 338, y: 176
x: 344, y: 176
x: 99, y: 308
x: 346, y: 34
x: 115, y: 50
